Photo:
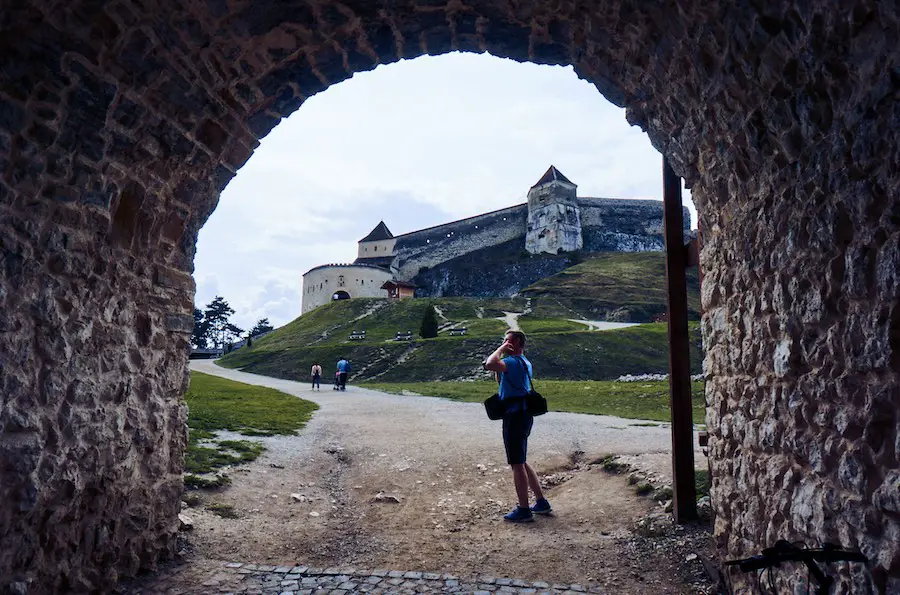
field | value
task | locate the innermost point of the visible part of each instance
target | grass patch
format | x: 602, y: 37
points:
x: 219, y: 404
x: 226, y: 511
x: 701, y: 482
x: 631, y: 400
x: 548, y: 325
x: 199, y: 482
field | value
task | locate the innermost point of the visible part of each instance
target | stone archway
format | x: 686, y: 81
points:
x: 121, y: 122
x: 340, y: 295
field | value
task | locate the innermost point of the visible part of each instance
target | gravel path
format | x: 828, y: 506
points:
x: 434, y: 428
x: 417, y: 483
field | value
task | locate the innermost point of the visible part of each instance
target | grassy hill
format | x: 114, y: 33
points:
x: 629, y: 286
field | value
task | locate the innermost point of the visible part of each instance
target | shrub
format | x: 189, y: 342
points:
x: 643, y: 488
x: 226, y: 511
x: 429, y: 327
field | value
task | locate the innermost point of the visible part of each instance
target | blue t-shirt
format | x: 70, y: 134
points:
x: 343, y: 366
x: 514, y: 383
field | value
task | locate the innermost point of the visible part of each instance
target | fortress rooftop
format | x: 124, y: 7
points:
x: 553, y: 175
x: 344, y: 264
x: 381, y: 232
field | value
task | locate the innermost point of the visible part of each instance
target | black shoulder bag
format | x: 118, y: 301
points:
x: 535, y: 404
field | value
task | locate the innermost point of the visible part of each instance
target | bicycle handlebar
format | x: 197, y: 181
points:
x: 784, y: 551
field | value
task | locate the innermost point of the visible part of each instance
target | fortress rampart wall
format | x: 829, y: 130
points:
x: 434, y: 245
x: 613, y: 224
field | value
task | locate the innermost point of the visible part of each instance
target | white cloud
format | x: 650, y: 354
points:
x: 415, y: 143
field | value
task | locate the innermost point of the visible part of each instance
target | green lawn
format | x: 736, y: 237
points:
x: 219, y: 404
x: 632, y: 400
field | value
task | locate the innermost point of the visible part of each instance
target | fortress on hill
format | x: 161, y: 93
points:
x: 461, y: 257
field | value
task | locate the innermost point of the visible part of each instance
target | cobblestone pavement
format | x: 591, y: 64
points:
x: 247, y: 579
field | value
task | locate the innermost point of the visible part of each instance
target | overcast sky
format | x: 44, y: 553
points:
x: 416, y: 143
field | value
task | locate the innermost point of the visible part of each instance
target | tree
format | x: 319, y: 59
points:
x: 221, y: 331
x: 200, y: 335
x: 262, y: 326
x: 429, y: 328
x: 233, y: 333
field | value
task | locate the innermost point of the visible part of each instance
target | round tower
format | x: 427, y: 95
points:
x: 554, y: 219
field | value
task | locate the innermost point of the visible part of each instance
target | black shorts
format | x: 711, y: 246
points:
x: 516, y: 429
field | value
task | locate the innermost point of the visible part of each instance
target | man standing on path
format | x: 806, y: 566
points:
x: 316, y: 373
x: 515, y: 383
x: 343, y: 368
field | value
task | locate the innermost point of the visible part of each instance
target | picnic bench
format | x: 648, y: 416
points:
x: 458, y: 331
x: 401, y: 336
x: 357, y: 335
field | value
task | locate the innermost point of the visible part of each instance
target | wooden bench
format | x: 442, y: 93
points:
x: 357, y: 335
x: 458, y: 331
x: 401, y: 336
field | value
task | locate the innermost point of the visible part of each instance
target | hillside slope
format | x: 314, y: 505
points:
x: 620, y: 286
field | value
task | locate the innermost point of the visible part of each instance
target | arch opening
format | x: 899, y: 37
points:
x: 340, y: 295
x: 121, y: 126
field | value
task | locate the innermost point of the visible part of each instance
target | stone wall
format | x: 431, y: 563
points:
x: 434, y: 245
x: 121, y: 122
x: 358, y: 280
x: 619, y: 225
x: 497, y: 271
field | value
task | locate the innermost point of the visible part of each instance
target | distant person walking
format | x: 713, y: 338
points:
x: 343, y: 368
x: 515, y: 373
x: 316, y: 374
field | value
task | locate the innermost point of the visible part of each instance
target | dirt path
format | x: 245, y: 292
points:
x: 388, y: 481
x: 511, y: 319
x: 602, y: 325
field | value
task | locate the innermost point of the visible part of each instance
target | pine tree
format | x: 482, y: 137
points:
x: 200, y: 335
x: 429, y: 328
x: 262, y: 326
x: 216, y: 317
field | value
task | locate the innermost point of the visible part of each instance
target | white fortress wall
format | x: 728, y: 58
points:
x: 434, y: 245
x: 358, y: 280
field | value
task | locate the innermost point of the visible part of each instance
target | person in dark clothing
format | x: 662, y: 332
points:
x: 515, y: 372
x: 343, y: 368
x: 316, y: 374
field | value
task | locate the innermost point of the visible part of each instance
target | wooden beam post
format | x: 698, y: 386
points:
x: 684, y: 493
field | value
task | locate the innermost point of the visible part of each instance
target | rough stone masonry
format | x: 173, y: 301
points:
x: 121, y: 122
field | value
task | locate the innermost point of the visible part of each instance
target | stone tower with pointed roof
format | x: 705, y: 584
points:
x: 377, y: 248
x: 554, y: 218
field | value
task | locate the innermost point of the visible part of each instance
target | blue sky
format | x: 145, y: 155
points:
x: 415, y: 143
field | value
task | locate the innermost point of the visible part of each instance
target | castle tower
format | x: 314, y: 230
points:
x: 377, y: 248
x: 554, y: 219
